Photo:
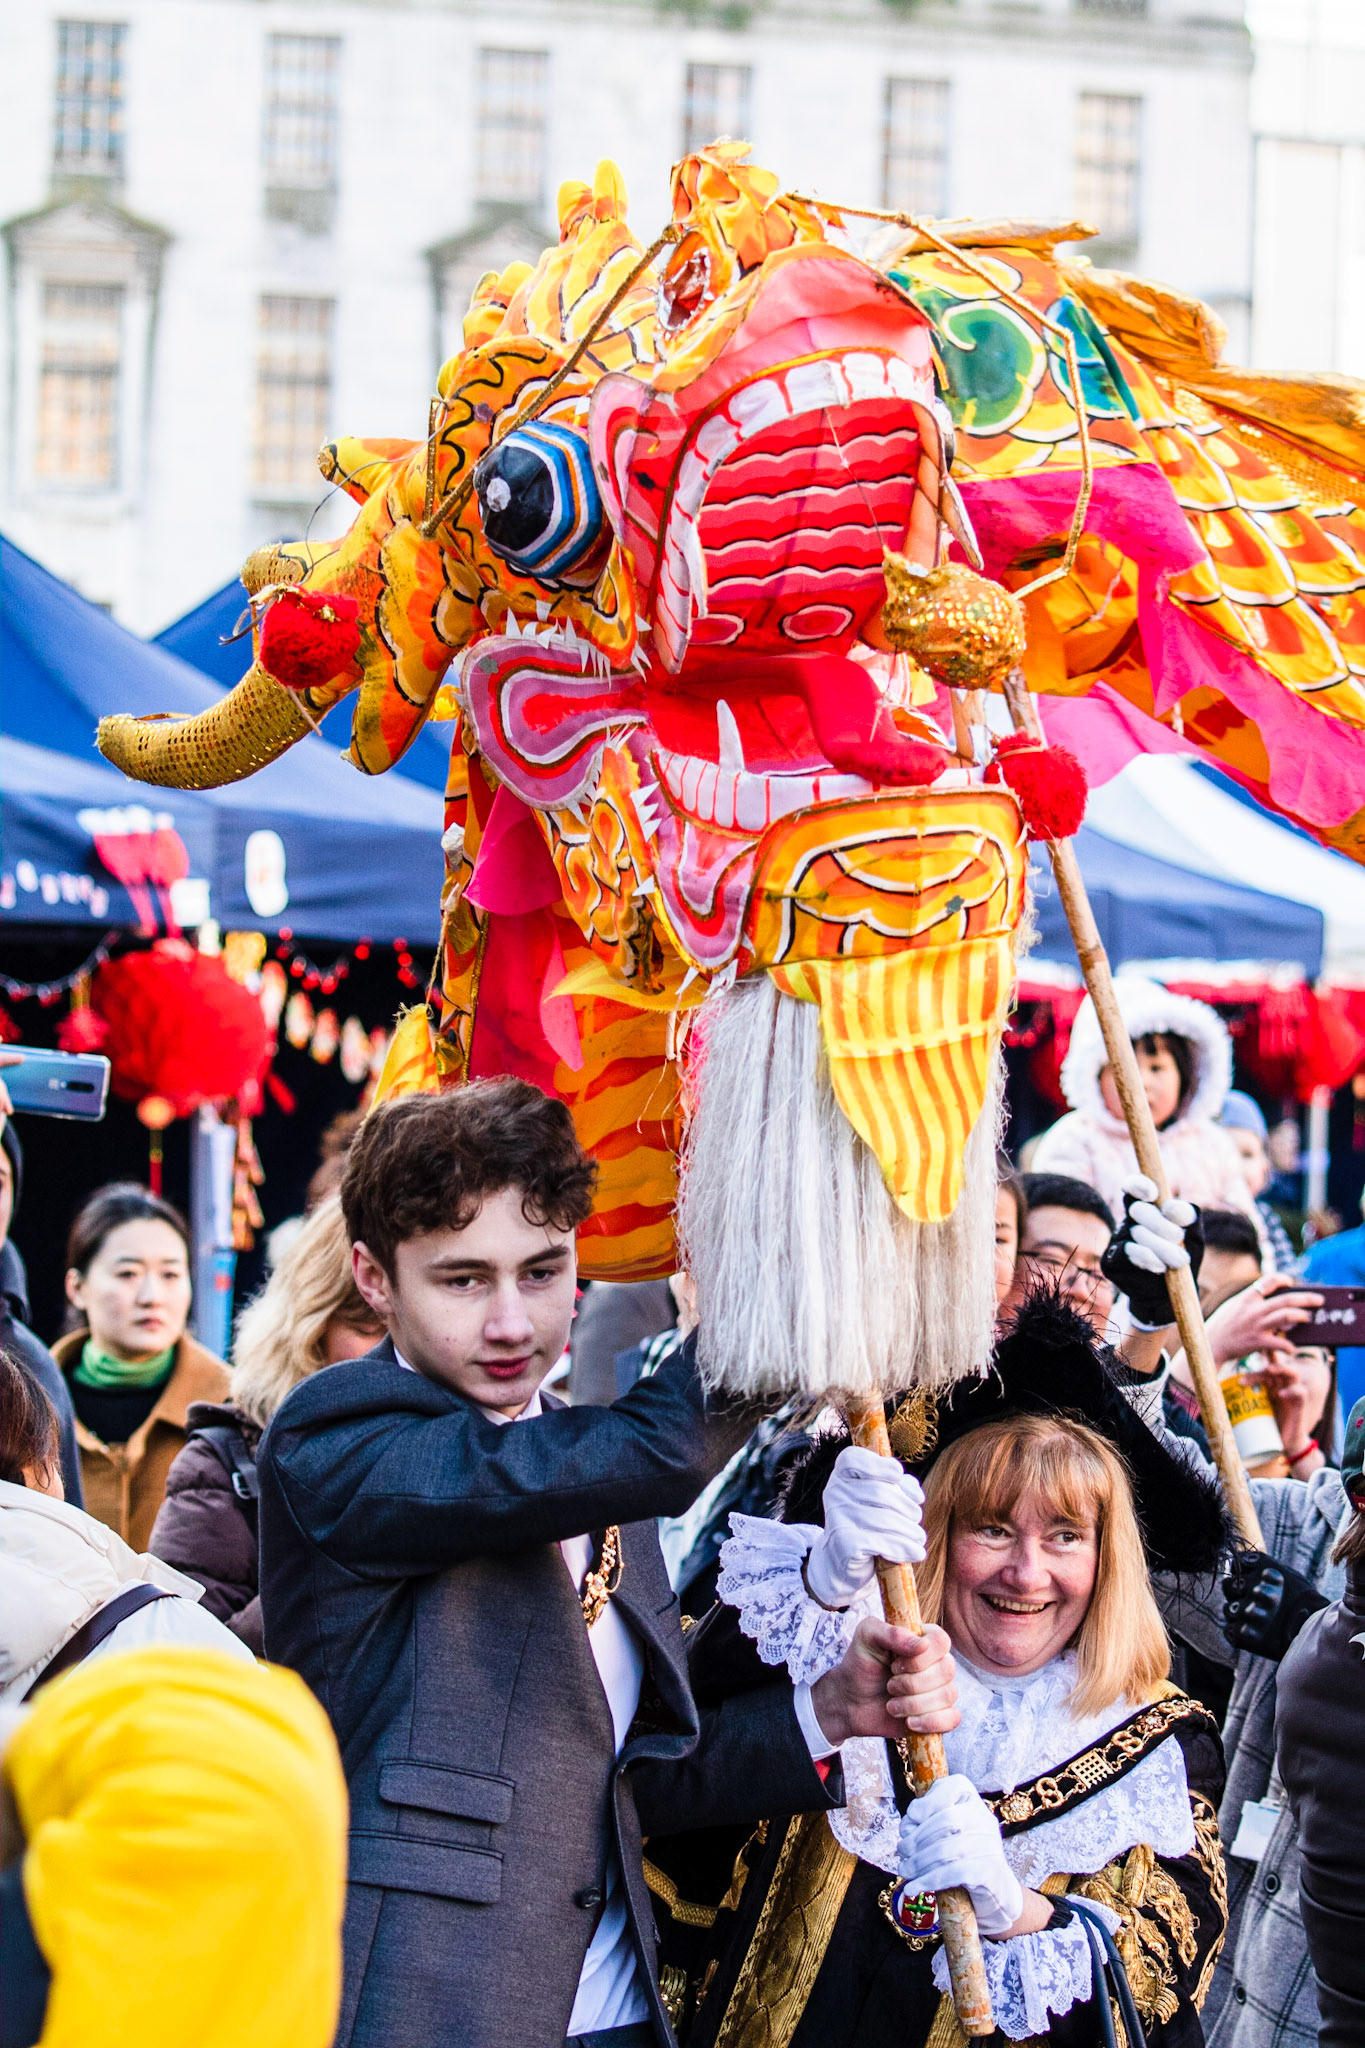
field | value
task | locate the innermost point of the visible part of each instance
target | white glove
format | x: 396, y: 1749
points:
x: 1157, y: 1243
x: 872, y: 1510
x: 950, y: 1837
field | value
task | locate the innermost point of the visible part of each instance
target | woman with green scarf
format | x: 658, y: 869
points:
x: 129, y: 1364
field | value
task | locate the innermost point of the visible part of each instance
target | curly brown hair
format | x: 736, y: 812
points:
x: 428, y: 1162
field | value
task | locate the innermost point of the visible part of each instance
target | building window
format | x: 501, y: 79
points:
x: 915, y: 146
x: 303, y: 74
x: 78, y: 385
x: 1115, y: 7
x: 715, y: 104
x: 89, y: 113
x: 293, y: 392
x: 1108, y: 158
x: 514, y: 96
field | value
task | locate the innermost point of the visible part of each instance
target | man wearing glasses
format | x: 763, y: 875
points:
x: 1065, y: 1233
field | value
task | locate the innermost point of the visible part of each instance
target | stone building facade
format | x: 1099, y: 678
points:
x: 234, y: 228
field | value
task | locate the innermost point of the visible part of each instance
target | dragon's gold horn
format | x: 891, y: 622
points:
x: 253, y: 725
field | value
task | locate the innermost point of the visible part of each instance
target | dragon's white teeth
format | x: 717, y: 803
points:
x: 696, y: 566
x: 643, y: 799
x: 731, y: 746
x: 685, y: 984
x: 738, y: 800
x: 511, y: 625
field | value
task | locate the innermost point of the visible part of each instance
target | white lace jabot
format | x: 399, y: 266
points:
x: 1012, y: 1730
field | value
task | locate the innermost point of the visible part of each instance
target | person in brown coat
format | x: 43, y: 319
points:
x: 132, y: 1370
x: 309, y: 1314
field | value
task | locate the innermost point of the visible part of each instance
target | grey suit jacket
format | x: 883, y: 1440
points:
x: 409, y: 1572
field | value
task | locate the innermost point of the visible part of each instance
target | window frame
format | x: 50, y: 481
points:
x: 283, y: 473
x: 718, y: 127
x: 505, y: 109
x: 911, y: 155
x: 1105, y: 156
x: 74, y: 93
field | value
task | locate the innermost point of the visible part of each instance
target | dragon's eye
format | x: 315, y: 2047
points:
x: 540, y: 504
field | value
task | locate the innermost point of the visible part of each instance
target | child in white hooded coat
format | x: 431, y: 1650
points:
x: 1185, y: 1059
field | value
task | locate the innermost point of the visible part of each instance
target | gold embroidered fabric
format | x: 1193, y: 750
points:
x: 1208, y: 1849
x: 812, y: 1876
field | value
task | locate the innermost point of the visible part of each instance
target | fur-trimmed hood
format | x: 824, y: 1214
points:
x: 1147, y: 1006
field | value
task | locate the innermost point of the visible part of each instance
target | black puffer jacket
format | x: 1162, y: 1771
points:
x: 205, y: 1529
x: 1320, y: 1747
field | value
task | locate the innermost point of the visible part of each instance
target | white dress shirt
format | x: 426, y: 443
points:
x: 610, y: 1990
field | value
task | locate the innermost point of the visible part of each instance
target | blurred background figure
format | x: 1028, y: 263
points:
x: 69, y: 1587
x: 1067, y: 1225
x: 1184, y: 1056
x: 131, y: 1368
x: 1320, y: 1750
x: 612, y: 1319
x: 309, y: 1314
x: 1244, y: 1121
x: 15, y: 1334
x: 1340, y: 1262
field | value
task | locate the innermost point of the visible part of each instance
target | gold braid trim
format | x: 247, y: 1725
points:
x: 1208, y: 1849
x: 682, y: 1910
x: 1075, y: 1781
x: 788, y: 1947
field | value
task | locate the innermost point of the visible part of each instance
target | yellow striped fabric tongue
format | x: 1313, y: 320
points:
x: 910, y: 1037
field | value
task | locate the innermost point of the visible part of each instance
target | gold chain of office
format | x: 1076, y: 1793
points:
x: 603, y: 1578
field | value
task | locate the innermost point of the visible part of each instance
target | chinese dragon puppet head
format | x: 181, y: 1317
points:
x: 729, y: 843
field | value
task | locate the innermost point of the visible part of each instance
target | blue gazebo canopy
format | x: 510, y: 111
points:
x: 1149, y: 909
x: 361, y: 856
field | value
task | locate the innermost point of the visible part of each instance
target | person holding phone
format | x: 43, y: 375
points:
x: 131, y: 1368
x: 1335, y: 1262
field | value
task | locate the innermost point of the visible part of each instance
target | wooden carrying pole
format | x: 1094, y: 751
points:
x: 1122, y: 1059
x: 900, y: 1604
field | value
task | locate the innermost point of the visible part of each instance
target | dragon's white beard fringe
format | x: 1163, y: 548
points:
x: 809, y: 1278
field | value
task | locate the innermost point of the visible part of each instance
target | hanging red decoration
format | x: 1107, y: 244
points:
x: 179, y: 1027
x: 82, y: 1031
x: 1048, y: 781
x: 309, y: 636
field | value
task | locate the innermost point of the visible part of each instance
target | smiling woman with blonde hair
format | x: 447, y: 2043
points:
x: 1081, y: 1803
x: 1120, y: 1646
x: 309, y: 1314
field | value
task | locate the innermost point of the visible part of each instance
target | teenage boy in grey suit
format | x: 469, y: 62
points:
x: 469, y: 1576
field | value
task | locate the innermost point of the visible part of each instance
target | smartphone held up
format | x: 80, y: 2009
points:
x: 67, y: 1084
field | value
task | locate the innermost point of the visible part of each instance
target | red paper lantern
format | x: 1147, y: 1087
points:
x: 82, y: 1031
x: 179, y: 1027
